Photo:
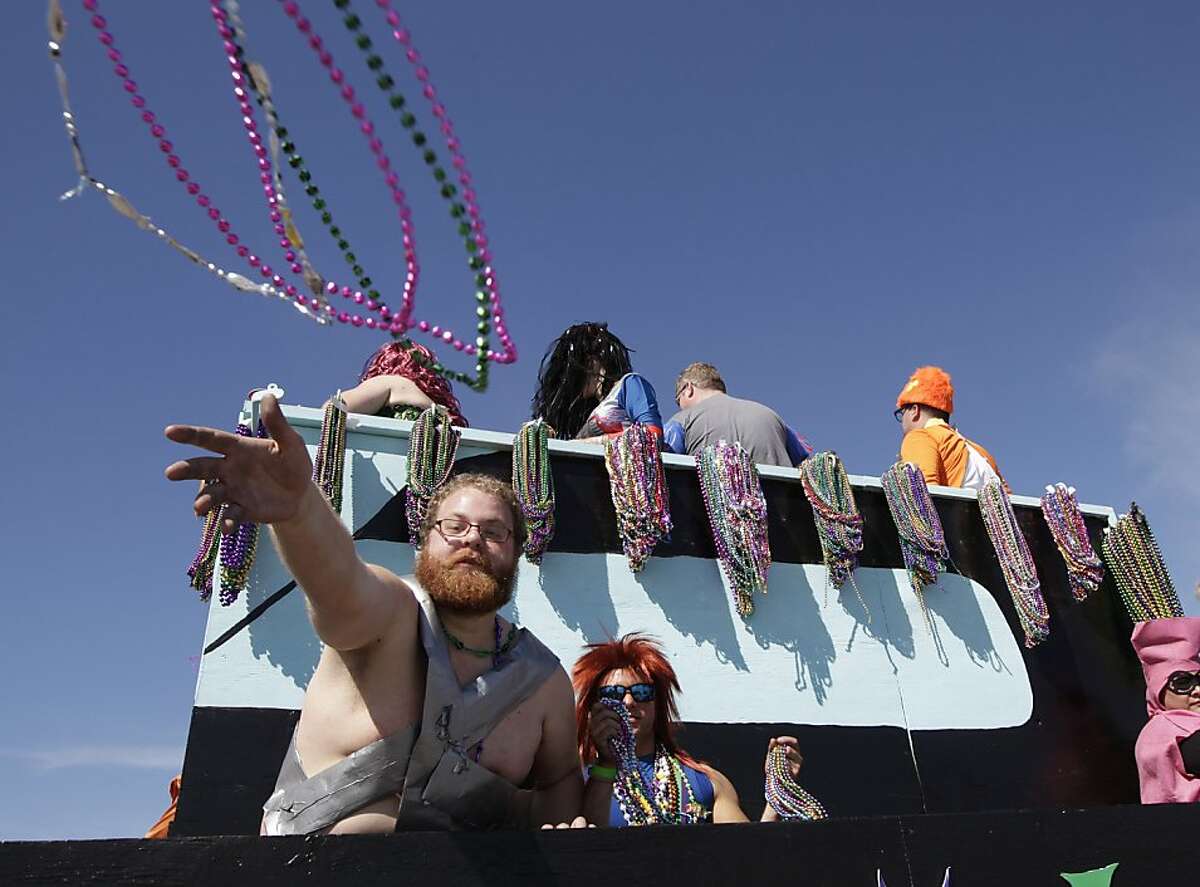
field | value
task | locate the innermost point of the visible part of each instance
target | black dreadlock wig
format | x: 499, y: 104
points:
x: 562, y: 376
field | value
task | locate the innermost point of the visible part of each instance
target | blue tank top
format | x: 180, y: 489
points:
x: 698, y: 781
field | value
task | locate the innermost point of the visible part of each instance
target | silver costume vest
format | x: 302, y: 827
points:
x: 426, y: 763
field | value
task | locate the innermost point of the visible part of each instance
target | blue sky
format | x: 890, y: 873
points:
x: 815, y: 199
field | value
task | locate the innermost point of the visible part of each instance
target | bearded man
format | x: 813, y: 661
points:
x: 427, y: 710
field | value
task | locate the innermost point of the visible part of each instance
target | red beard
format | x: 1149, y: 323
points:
x: 474, y: 588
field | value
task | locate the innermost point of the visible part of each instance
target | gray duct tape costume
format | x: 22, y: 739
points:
x: 427, y: 764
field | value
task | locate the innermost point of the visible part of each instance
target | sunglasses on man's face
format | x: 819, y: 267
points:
x: 1183, y: 682
x: 616, y: 692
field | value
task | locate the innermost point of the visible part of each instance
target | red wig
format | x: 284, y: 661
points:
x: 642, y: 655
x: 413, y: 362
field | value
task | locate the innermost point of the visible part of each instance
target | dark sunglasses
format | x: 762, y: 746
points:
x: 1183, y: 682
x: 616, y: 692
x: 898, y: 413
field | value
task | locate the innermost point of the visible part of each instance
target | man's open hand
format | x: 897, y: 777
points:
x: 263, y: 480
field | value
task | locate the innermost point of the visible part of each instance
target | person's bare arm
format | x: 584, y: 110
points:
x: 350, y: 602
x: 269, y: 480
x: 556, y: 772
x: 374, y: 394
x: 726, y: 807
x: 603, y: 725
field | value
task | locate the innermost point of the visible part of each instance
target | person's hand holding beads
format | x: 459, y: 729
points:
x: 263, y: 480
x: 604, y: 725
x: 794, y: 758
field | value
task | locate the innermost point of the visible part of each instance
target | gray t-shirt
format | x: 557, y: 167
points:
x: 721, y: 417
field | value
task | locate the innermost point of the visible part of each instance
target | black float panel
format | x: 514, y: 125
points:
x: 1151, y: 846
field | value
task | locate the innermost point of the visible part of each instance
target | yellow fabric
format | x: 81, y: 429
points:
x: 941, y: 453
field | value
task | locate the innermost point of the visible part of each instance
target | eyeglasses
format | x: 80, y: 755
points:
x: 679, y: 391
x: 1183, y: 682
x: 616, y: 692
x: 899, y: 412
x: 457, y: 528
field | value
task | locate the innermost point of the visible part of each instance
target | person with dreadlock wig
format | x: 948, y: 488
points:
x: 397, y: 382
x: 587, y: 389
x: 633, y: 670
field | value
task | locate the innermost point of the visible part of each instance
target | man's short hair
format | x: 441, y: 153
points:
x: 934, y: 412
x: 485, y: 484
x: 702, y: 375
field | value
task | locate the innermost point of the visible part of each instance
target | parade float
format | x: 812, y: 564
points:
x: 956, y: 665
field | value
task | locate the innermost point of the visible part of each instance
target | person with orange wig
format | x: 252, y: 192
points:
x: 930, y: 442
x: 398, y: 381
x: 634, y: 672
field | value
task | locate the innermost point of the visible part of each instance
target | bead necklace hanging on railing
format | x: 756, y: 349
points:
x: 1136, y: 563
x: 433, y: 443
x: 1085, y: 571
x: 639, y: 492
x: 330, y: 464
x: 533, y: 483
x: 737, y: 511
x: 236, y: 550
x: 922, y: 541
x: 784, y: 794
x: 666, y: 799
x: 839, y: 523
x: 1016, y: 562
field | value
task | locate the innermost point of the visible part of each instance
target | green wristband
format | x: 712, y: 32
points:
x: 599, y: 771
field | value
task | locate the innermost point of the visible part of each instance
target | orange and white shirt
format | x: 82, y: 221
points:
x: 947, y: 458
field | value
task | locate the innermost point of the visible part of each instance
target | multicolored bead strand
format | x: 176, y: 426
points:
x: 839, y: 524
x: 234, y: 551
x: 1016, y: 562
x: 639, y: 492
x: 533, y: 482
x: 330, y: 463
x: 433, y: 443
x: 250, y: 80
x: 784, y: 794
x: 200, y: 571
x: 159, y: 133
x: 1085, y: 570
x: 922, y: 541
x: 737, y: 512
x: 1136, y: 563
x: 666, y: 799
x: 260, y: 85
x: 118, y: 201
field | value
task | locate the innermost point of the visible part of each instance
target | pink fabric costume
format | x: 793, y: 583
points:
x: 1166, y: 646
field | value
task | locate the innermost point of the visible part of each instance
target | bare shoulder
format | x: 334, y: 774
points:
x: 557, y: 689
x: 722, y: 787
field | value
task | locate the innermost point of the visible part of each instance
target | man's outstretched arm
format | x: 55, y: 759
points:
x: 269, y: 481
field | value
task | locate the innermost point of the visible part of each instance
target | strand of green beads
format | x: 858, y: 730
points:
x: 448, y: 191
x: 433, y: 444
x: 533, y: 483
x: 1137, y: 565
